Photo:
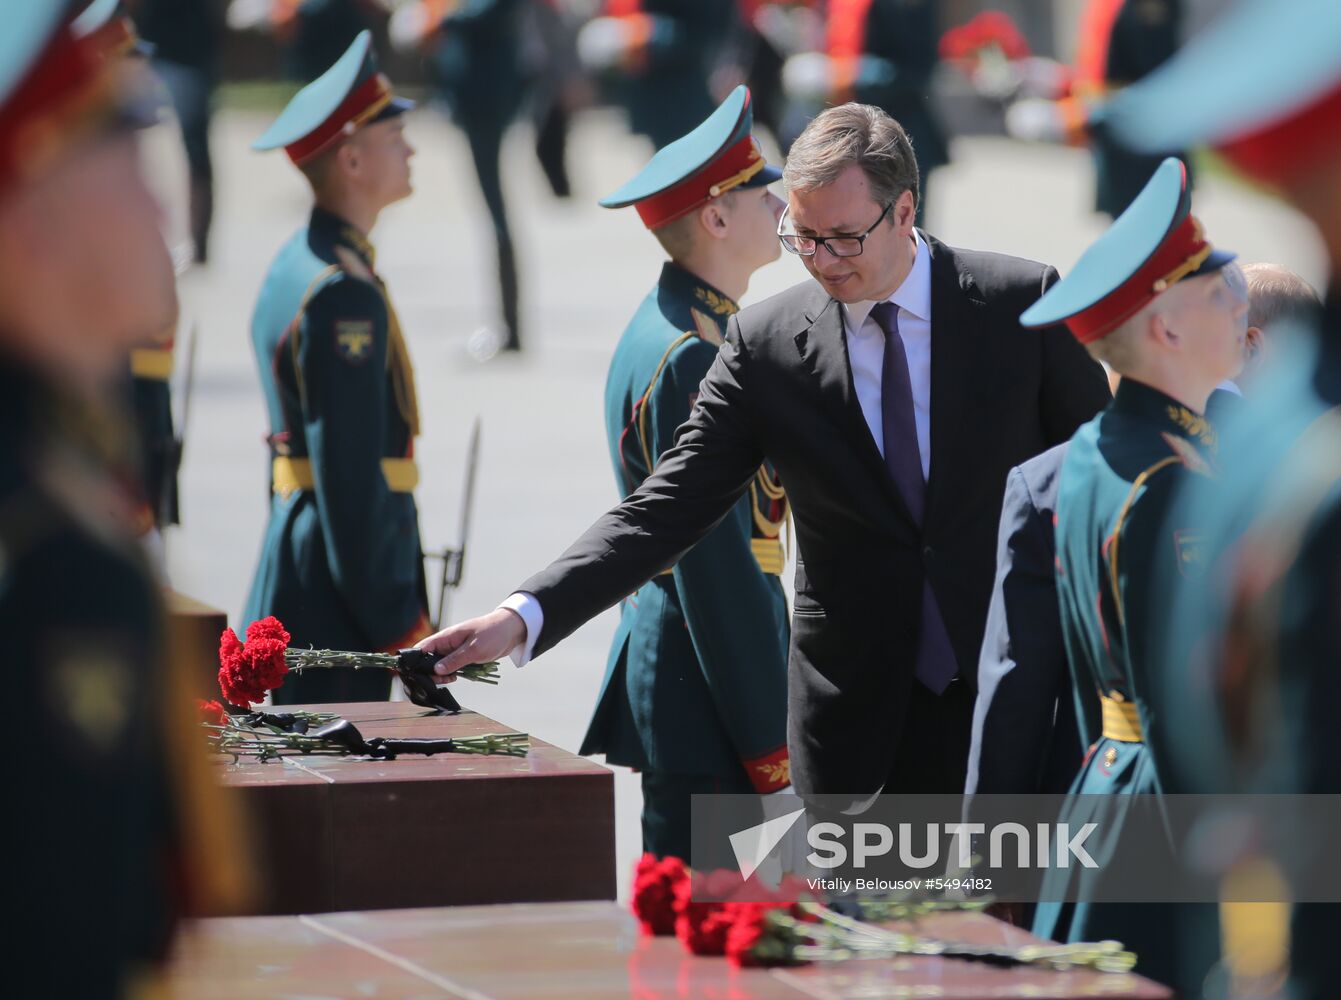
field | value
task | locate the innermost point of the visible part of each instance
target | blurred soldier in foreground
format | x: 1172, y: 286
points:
x: 1259, y: 640
x: 1149, y: 300
x: 341, y: 564
x: 695, y: 693
x: 108, y: 855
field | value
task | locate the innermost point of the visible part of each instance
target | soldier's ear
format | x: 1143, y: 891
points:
x: 713, y: 218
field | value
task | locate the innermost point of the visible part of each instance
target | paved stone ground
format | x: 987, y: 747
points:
x: 544, y: 473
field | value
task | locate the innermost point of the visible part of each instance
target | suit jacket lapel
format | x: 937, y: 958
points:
x: 955, y: 320
x: 823, y: 348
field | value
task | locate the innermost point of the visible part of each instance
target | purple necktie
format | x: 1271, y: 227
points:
x: 936, y: 666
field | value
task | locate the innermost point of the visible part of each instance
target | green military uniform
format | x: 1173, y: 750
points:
x: 84, y: 630
x: 151, y: 410
x: 694, y: 694
x: 82, y: 617
x: 1120, y: 473
x: 341, y: 564
x: 695, y: 690
x: 1115, y: 543
x: 1259, y: 652
x: 1258, y: 647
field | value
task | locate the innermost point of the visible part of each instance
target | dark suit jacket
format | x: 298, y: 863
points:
x: 1025, y: 738
x: 781, y: 387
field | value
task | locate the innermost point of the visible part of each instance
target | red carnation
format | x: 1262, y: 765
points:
x: 749, y: 927
x: 654, y: 888
x: 247, y: 672
x: 211, y: 712
x: 753, y: 940
x: 701, y: 927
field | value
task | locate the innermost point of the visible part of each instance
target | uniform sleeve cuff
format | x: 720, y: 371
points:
x: 527, y: 608
x: 769, y: 772
x: 421, y: 629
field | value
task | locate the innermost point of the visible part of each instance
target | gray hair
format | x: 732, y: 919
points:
x: 854, y: 133
x: 1277, y: 294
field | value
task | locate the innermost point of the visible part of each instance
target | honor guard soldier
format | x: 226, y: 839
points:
x: 341, y: 564
x: 695, y: 691
x: 108, y: 844
x: 1148, y: 299
x: 1259, y: 641
x: 110, y: 31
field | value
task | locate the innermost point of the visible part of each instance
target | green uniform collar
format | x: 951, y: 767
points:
x: 329, y: 231
x: 1136, y: 399
x: 706, y: 299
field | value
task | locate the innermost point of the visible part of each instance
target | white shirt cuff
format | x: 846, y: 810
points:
x: 528, y: 610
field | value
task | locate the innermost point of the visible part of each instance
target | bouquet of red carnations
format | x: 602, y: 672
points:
x: 250, y: 670
x: 791, y: 925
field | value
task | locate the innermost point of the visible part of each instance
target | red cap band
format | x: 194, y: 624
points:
x: 1181, y: 253
x: 363, y: 102
x: 36, y: 120
x: 1284, y: 149
x: 736, y: 165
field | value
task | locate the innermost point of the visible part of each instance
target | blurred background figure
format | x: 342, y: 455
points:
x: 485, y: 59
x: 657, y: 57
x: 1118, y: 43
x: 109, y: 31
x: 313, y: 33
x: 186, y: 35
x: 880, y: 52
x: 1122, y: 41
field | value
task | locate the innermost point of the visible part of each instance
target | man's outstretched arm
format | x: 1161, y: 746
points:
x: 694, y: 486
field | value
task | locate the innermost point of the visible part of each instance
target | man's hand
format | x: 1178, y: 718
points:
x: 479, y: 640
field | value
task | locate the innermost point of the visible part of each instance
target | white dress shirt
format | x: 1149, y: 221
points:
x: 866, y: 349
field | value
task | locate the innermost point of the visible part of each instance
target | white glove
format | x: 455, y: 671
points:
x: 248, y: 15
x: 788, y: 30
x: 1034, y: 119
x: 603, y: 42
x: 409, y: 26
x: 807, y: 76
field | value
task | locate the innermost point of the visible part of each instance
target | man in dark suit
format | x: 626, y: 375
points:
x: 1024, y: 724
x: 892, y: 395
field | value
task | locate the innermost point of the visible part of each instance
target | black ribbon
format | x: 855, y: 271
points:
x: 285, y: 721
x: 345, y: 734
x: 415, y: 670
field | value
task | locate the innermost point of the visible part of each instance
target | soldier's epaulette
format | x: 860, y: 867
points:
x: 353, y: 265
x: 706, y: 328
x: 1186, y: 453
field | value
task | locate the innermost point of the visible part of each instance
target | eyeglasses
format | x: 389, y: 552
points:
x: 839, y: 246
